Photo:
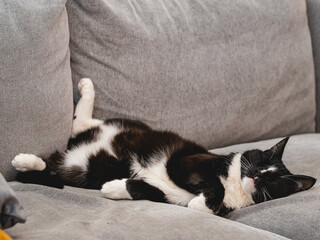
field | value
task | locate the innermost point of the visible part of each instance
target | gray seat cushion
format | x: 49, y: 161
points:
x: 217, y: 72
x: 80, y: 214
x: 36, y: 89
x: 296, y: 216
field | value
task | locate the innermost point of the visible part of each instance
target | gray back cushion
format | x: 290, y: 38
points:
x: 314, y: 24
x: 36, y: 87
x: 217, y: 72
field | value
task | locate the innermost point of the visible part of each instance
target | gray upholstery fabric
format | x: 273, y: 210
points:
x: 11, y: 212
x: 313, y: 7
x: 84, y: 214
x: 296, y: 216
x: 36, y: 90
x: 217, y: 72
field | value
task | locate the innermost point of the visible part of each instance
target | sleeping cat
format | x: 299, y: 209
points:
x: 127, y: 159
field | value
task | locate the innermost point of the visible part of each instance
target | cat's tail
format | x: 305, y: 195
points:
x: 32, y: 169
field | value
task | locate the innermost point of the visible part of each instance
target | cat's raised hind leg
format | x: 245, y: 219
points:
x: 83, y: 114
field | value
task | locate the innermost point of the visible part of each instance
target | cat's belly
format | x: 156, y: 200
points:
x: 157, y: 176
x: 79, y: 156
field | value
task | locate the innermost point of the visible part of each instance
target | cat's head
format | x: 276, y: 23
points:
x: 265, y: 177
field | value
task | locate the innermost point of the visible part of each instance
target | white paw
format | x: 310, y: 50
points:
x: 85, y: 86
x: 199, y: 203
x: 116, y: 189
x: 28, y: 162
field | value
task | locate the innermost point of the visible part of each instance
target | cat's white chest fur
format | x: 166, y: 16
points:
x: 235, y: 196
x: 79, y: 156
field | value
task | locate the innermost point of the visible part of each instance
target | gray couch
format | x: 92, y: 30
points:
x: 217, y: 72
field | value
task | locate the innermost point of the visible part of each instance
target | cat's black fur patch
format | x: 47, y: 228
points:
x: 103, y: 168
x: 41, y: 177
x: 84, y: 137
x: 200, y: 168
x: 138, y: 189
x: 143, y: 143
x: 54, y: 161
x: 128, y: 123
x: 74, y: 176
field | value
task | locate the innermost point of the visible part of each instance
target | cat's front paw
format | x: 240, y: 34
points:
x: 199, y: 203
x: 85, y: 86
x: 28, y: 162
x: 116, y: 189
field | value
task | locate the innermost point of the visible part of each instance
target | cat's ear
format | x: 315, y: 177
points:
x: 300, y: 182
x: 277, y: 150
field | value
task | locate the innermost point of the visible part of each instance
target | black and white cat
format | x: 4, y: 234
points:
x: 126, y: 159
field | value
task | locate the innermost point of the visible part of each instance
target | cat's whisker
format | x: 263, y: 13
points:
x: 247, y: 161
x: 244, y: 168
x: 260, y: 197
x: 267, y: 192
x: 246, y: 165
x: 228, y: 157
x: 265, y: 196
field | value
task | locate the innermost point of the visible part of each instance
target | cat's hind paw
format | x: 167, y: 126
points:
x: 85, y: 86
x: 28, y: 162
x: 116, y: 189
